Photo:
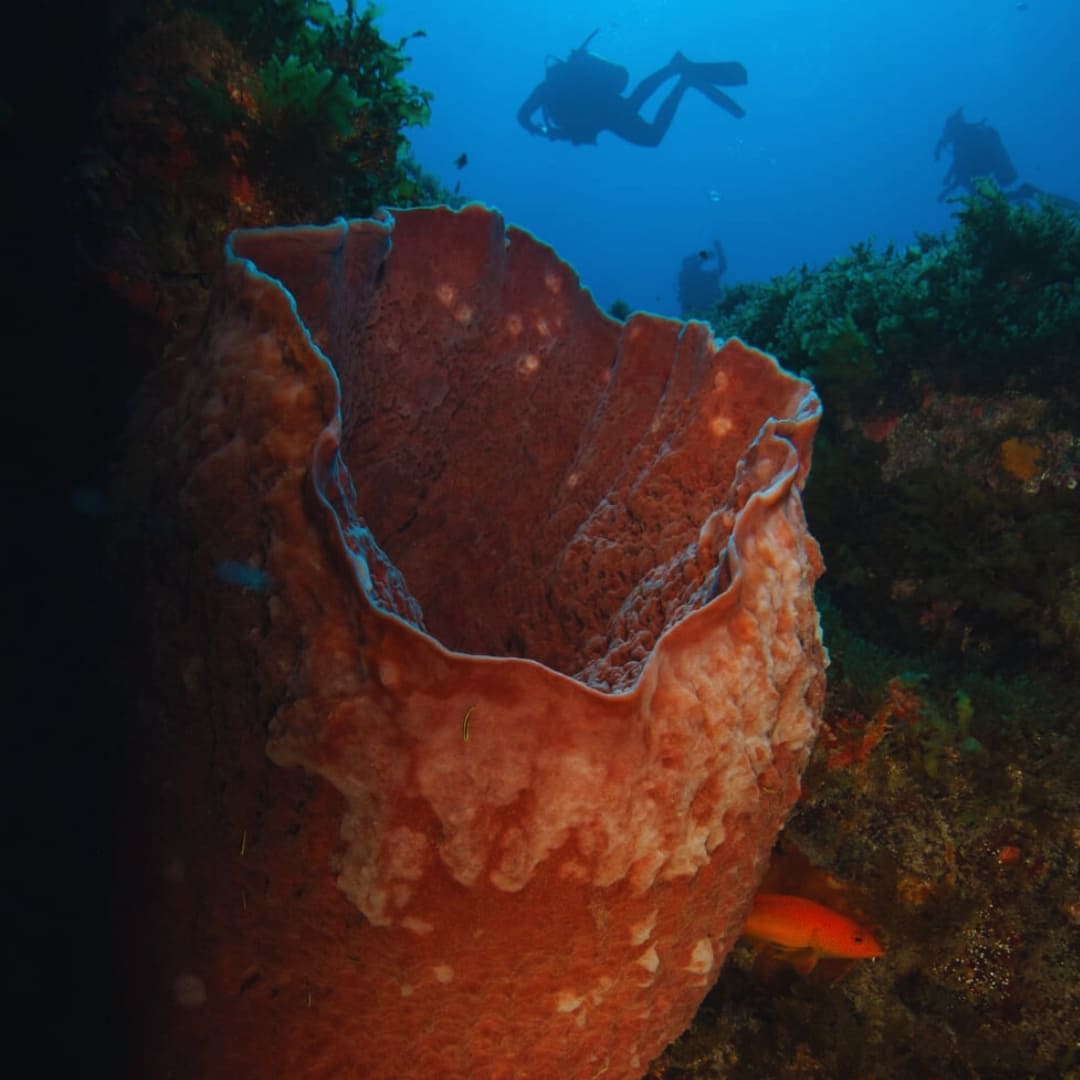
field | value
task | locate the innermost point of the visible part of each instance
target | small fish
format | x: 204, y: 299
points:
x: 461, y: 161
x: 803, y: 932
x: 703, y: 254
x: 90, y: 501
x: 247, y: 577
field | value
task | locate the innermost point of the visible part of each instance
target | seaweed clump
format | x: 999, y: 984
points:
x: 945, y: 475
x: 317, y: 107
x: 220, y: 115
x: 211, y: 115
x: 994, y: 305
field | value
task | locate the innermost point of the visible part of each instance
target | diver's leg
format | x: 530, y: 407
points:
x: 721, y: 73
x: 650, y: 84
x: 629, y: 124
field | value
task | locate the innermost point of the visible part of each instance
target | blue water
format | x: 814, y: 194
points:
x: 845, y: 102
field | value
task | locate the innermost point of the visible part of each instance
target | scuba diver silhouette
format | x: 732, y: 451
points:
x: 582, y: 96
x: 698, y: 283
x: 977, y: 151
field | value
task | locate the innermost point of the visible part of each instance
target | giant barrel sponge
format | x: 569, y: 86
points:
x: 481, y: 663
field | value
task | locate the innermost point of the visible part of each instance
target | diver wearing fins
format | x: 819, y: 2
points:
x: 583, y: 95
x: 978, y: 152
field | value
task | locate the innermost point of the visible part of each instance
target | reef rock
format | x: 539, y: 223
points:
x: 481, y: 663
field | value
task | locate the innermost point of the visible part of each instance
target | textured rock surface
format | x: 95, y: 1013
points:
x: 482, y: 658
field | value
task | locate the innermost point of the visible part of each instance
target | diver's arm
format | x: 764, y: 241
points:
x: 529, y: 106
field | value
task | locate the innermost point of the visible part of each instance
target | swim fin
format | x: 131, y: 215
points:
x: 720, y: 72
x: 718, y: 97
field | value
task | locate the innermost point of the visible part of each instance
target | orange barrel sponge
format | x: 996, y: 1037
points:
x: 483, y: 663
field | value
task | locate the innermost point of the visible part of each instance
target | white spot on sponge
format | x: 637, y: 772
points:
x: 640, y: 932
x: 389, y: 674
x: 528, y: 364
x: 649, y: 960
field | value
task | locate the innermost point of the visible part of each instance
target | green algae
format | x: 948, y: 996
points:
x: 945, y: 474
x: 996, y: 303
x: 313, y: 104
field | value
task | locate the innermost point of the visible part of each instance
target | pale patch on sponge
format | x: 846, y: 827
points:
x: 649, y: 960
x: 569, y: 1001
x: 641, y: 800
x: 721, y: 426
x: 566, y: 1001
x: 702, y: 958
x: 640, y: 932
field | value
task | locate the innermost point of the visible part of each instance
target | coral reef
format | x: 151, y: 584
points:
x: 220, y: 115
x: 312, y: 104
x: 943, y: 790
x: 993, y: 306
x: 945, y: 489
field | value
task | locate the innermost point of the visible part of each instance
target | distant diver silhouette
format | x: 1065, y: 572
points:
x: 582, y: 96
x: 698, y: 284
x: 977, y: 150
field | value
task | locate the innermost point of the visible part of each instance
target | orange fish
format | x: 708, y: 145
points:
x: 803, y: 932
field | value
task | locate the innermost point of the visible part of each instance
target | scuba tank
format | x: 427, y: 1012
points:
x: 586, y: 72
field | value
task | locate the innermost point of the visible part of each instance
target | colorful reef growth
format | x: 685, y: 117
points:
x: 197, y: 117
x: 945, y: 488
x: 314, y: 110
x: 955, y: 818
x: 942, y: 791
x: 943, y: 787
x: 475, y: 773
x: 223, y: 114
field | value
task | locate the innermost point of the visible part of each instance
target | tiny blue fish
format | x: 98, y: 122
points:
x: 90, y: 501
x: 238, y: 573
